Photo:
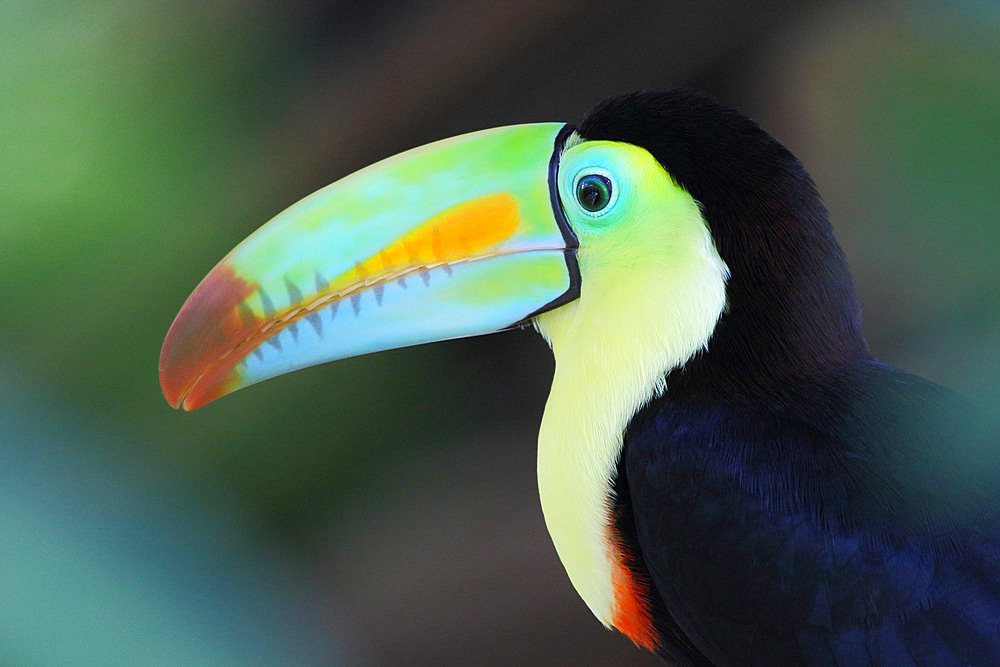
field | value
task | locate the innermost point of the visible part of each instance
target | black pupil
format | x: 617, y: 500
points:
x: 593, y: 192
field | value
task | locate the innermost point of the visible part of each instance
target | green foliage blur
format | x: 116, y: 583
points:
x: 140, y: 141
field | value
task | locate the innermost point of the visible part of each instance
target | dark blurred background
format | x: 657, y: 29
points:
x: 383, y: 510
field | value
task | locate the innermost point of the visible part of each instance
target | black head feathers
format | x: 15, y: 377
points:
x: 791, y: 304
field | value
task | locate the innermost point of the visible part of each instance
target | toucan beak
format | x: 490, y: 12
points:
x: 457, y: 238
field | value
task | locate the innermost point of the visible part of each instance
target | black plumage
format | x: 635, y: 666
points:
x: 791, y: 499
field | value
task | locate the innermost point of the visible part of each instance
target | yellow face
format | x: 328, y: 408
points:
x: 645, y: 255
x: 652, y: 290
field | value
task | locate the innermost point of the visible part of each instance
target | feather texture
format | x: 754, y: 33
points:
x: 855, y: 523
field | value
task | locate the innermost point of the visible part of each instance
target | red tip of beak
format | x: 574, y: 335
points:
x: 196, y: 362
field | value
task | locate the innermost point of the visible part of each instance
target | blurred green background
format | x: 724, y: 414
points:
x: 383, y: 510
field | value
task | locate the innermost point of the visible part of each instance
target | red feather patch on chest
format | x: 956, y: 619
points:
x: 632, y: 613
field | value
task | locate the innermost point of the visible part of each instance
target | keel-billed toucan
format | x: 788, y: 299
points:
x: 728, y: 475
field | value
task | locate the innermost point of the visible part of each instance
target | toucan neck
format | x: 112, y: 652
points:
x: 792, y: 314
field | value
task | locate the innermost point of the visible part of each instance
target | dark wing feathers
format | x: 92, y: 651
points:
x: 856, y: 523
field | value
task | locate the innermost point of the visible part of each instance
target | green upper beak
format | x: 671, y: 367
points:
x: 460, y: 237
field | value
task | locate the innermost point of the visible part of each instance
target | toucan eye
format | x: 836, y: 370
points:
x: 593, y: 192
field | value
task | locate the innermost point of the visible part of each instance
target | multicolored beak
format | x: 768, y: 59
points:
x: 457, y: 238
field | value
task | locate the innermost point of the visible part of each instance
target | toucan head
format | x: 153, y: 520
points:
x: 634, y: 233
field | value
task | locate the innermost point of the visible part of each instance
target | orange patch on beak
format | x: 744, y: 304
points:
x: 465, y: 231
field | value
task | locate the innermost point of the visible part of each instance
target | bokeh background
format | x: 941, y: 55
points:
x: 383, y: 510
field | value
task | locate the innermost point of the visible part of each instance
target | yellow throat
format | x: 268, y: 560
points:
x: 644, y: 309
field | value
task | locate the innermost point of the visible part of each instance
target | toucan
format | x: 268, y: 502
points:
x: 727, y: 473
